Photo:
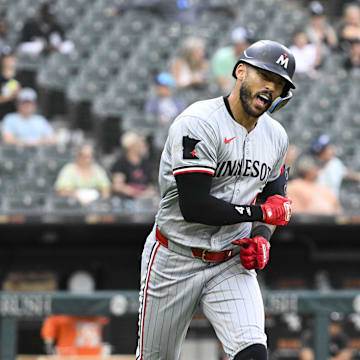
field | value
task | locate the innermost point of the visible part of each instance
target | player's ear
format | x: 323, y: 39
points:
x: 240, y: 71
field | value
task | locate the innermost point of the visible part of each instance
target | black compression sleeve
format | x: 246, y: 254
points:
x: 261, y: 230
x: 197, y: 205
x: 276, y: 187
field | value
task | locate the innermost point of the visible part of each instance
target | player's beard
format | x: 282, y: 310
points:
x: 246, y: 98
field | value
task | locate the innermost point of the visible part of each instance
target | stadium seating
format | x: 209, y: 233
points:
x: 116, y: 59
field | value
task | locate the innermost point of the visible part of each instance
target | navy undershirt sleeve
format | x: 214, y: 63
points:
x: 276, y: 187
x: 197, y: 205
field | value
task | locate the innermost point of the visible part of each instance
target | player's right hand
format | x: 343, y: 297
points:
x: 254, y: 253
x: 277, y: 210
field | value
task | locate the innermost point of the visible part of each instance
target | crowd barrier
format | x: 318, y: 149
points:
x: 26, y: 305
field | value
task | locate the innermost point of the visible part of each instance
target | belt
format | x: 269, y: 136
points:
x: 204, y: 255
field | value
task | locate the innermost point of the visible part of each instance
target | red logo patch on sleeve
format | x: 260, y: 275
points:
x: 189, y: 151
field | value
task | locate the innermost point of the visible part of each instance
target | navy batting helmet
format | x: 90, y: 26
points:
x: 274, y: 57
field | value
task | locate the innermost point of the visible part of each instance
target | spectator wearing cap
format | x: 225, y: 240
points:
x: 225, y: 58
x: 162, y: 107
x: 307, y: 55
x: 319, y: 31
x: 307, y: 195
x: 9, y: 85
x: 25, y: 127
x: 132, y: 172
x: 333, y: 170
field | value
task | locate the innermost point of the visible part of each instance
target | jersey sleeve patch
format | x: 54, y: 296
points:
x: 192, y: 169
x: 189, y: 145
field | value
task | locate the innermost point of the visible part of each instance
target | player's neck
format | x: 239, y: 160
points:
x: 240, y: 115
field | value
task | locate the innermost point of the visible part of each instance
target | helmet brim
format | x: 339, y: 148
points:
x: 276, y: 69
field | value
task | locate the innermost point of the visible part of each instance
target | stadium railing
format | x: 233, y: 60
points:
x: 19, y: 305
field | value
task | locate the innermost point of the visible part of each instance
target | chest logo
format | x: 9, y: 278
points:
x: 229, y: 140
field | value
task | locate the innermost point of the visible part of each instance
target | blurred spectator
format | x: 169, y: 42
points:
x: 9, y: 86
x: 75, y: 335
x: 24, y: 127
x: 307, y: 55
x: 333, y: 170
x: 290, y: 161
x: 319, y: 31
x: 163, y: 107
x: 81, y: 282
x: 338, y: 341
x: 352, y: 61
x: 291, y: 155
x: 132, y: 172
x: 184, y: 12
x: 308, y: 196
x: 181, y: 11
x: 322, y: 281
x: 44, y: 35
x: 190, y: 67
x: 349, y: 28
x: 84, y: 179
x: 225, y: 58
x: 5, y: 41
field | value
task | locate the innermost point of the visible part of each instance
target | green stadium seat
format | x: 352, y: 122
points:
x: 25, y: 201
x: 59, y: 152
x: 64, y: 204
x: 104, y: 206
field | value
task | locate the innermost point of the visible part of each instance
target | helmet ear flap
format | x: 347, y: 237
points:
x: 285, y: 90
x: 280, y: 102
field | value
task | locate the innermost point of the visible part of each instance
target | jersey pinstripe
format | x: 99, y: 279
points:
x: 205, y: 138
x: 174, y: 286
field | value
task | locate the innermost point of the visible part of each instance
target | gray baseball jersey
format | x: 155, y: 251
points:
x: 205, y: 138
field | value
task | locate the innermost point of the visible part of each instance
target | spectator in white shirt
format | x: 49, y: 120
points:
x: 307, y: 55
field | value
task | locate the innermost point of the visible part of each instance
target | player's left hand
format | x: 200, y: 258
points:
x: 255, y: 252
x: 277, y: 210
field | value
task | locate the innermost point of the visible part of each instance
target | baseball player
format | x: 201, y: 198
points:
x: 222, y: 193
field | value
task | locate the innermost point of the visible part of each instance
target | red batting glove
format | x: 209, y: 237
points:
x: 277, y: 210
x: 255, y: 252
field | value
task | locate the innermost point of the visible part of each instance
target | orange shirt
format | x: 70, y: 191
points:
x: 75, y: 335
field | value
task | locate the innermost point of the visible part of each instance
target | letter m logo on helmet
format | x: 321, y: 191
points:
x: 270, y: 56
x: 283, y: 60
x: 276, y: 58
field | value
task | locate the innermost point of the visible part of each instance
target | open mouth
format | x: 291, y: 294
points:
x: 263, y: 100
